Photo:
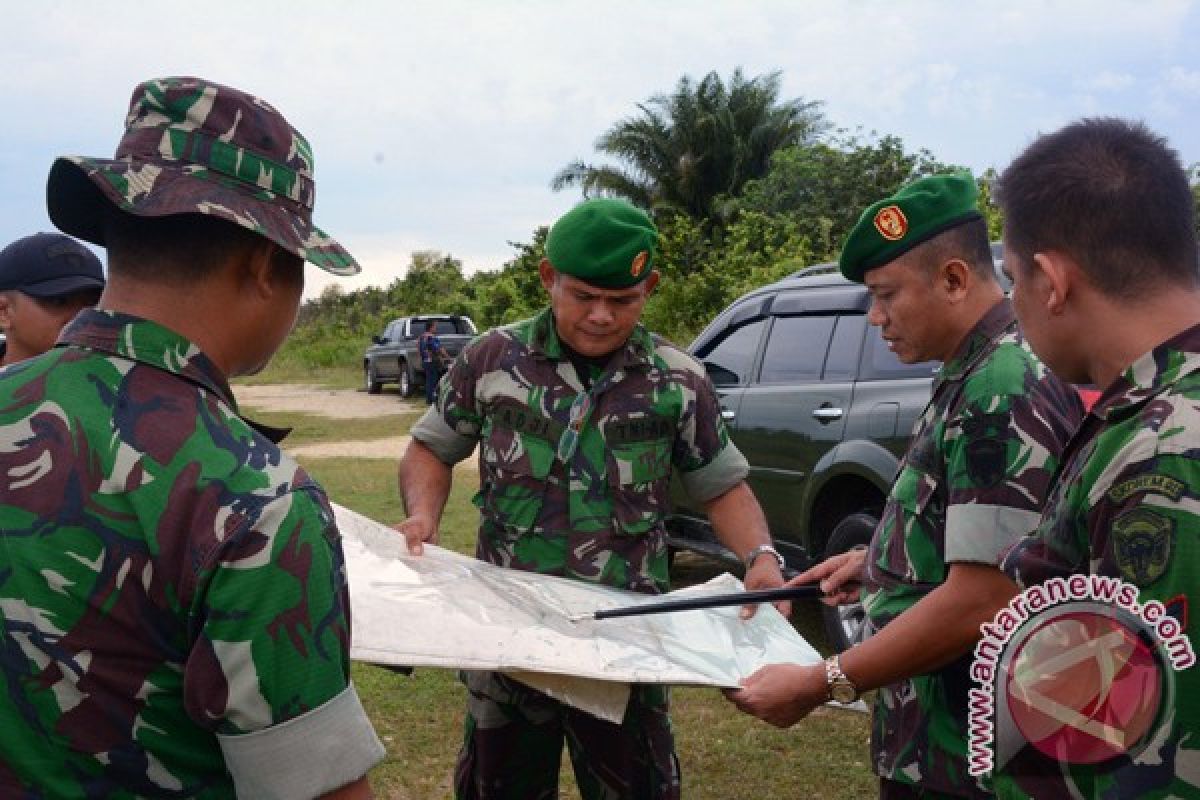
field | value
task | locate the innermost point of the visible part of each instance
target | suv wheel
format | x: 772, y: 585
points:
x: 406, y: 380
x: 844, y: 625
x: 373, y: 382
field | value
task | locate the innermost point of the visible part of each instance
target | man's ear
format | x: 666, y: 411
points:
x: 954, y: 276
x: 547, y: 274
x: 651, y: 281
x: 258, y: 270
x: 5, y: 311
x: 1054, y: 272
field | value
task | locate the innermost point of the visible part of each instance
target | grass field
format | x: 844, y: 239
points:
x: 724, y: 755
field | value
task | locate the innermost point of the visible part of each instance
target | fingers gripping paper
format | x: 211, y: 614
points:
x: 442, y: 609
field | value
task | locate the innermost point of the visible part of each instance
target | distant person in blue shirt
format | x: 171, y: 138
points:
x: 432, y: 356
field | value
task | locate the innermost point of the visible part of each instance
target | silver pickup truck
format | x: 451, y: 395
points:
x: 393, y: 356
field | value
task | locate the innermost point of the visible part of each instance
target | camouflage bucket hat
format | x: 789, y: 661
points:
x: 193, y: 146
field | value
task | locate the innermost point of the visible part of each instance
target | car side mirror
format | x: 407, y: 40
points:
x: 377, y: 339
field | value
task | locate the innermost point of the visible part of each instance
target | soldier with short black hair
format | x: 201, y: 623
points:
x: 174, y: 614
x: 1100, y: 242
x: 580, y: 415
x: 972, y: 482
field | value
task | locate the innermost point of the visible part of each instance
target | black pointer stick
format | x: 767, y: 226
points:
x: 705, y: 601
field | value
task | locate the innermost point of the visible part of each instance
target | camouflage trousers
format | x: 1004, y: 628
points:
x: 512, y: 745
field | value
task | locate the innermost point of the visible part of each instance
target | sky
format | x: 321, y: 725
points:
x: 439, y: 125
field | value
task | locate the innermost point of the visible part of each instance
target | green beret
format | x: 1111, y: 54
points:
x: 605, y: 242
x: 915, y: 214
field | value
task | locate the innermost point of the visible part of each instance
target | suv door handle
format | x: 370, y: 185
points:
x: 727, y: 415
x: 827, y: 413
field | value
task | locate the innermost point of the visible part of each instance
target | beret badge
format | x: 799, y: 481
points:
x: 639, y: 263
x: 891, y: 223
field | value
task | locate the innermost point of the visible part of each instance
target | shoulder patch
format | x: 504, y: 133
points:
x: 1142, y: 545
x: 986, y: 448
x: 1159, y: 484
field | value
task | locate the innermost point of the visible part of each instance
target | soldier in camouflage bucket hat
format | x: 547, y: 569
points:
x: 194, y: 146
x: 1100, y: 241
x: 581, y: 415
x: 972, y: 481
x: 174, y: 612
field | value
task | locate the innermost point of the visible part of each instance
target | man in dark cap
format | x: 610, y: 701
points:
x: 1100, y: 241
x: 45, y: 280
x: 972, y: 482
x: 580, y: 415
x: 175, y: 614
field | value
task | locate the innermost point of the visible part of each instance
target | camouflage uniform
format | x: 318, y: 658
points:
x: 1126, y: 503
x: 971, y: 483
x: 574, y: 482
x: 172, y: 585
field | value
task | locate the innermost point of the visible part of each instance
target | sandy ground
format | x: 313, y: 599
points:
x: 335, y: 404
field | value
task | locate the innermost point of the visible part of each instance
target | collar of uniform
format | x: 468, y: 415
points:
x: 1151, y: 374
x: 638, y: 348
x: 996, y: 321
x: 147, y: 343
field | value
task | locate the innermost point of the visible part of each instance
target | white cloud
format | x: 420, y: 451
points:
x: 1109, y: 81
x: 438, y: 125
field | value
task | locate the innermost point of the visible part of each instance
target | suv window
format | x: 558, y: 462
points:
x: 796, y: 349
x: 731, y: 359
x: 845, y: 348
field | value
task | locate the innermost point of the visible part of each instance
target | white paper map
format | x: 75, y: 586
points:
x: 442, y: 609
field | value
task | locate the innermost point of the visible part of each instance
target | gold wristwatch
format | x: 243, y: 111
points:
x: 841, y: 690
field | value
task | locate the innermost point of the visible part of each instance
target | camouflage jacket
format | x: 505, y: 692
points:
x: 972, y: 481
x: 1126, y: 504
x: 575, y: 481
x: 169, y: 579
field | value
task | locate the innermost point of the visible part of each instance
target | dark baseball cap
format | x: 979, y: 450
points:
x: 49, y: 265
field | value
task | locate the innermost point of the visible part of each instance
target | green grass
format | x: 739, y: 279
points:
x: 724, y: 755
x: 348, y: 376
x: 316, y: 429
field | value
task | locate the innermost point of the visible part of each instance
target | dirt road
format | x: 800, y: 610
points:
x: 335, y: 404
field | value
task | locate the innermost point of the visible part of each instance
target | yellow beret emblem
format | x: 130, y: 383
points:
x: 639, y: 263
x: 891, y: 223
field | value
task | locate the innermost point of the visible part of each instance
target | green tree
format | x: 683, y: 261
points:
x: 687, y: 150
x: 825, y: 186
x: 516, y: 291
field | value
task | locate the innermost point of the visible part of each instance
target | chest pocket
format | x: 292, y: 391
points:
x: 915, y: 552
x: 639, y: 471
x: 517, y: 447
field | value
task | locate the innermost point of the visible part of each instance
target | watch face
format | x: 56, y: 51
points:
x: 843, y: 693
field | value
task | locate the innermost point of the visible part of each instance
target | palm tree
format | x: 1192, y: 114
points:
x: 686, y: 150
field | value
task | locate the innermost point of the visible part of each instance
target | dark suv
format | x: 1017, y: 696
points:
x: 822, y: 410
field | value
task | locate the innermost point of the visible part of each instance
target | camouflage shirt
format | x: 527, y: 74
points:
x: 1127, y: 504
x: 574, y: 481
x: 171, y: 584
x: 977, y: 467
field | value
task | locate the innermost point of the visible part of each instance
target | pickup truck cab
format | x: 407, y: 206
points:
x: 393, y: 356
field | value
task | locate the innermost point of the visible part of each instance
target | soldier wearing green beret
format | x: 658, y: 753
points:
x: 1100, y: 241
x: 972, y: 482
x: 581, y: 416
